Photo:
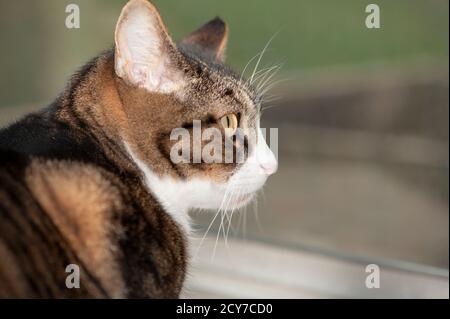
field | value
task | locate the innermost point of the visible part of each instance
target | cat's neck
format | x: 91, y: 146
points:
x: 91, y: 109
x: 171, y: 195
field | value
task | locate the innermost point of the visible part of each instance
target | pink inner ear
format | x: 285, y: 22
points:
x: 143, y: 47
x: 140, y: 73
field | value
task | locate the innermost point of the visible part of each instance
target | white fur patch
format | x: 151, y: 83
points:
x: 167, y: 191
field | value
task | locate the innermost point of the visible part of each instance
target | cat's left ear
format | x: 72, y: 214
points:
x: 210, y: 39
x: 145, y: 55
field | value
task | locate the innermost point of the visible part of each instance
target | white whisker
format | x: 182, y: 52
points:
x: 212, y: 221
x: 272, y: 85
x: 222, y: 226
x: 256, y: 212
x: 266, y: 81
x: 261, y: 74
x: 261, y: 56
x: 248, y: 63
x: 239, y: 193
x: 274, y: 70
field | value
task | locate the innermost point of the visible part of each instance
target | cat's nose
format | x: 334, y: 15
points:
x: 266, y: 158
x: 269, y: 167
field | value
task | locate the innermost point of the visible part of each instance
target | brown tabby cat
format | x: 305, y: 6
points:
x: 90, y: 181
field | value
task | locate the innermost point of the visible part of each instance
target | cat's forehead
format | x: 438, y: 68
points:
x: 217, y: 81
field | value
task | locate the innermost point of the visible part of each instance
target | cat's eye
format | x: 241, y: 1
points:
x: 229, y: 123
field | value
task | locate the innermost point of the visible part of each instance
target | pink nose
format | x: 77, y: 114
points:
x: 269, y: 168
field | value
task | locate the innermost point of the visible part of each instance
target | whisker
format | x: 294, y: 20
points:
x: 222, y: 220
x: 268, y: 107
x: 271, y: 99
x: 247, y: 65
x: 224, y: 213
x: 205, y: 234
x: 240, y: 190
x: 244, y: 224
x: 217, y: 238
x: 261, y: 56
x: 256, y: 212
x: 212, y: 221
x: 272, y: 85
x: 267, y: 79
x: 263, y: 73
x: 239, y: 223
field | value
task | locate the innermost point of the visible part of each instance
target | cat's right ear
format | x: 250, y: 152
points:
x: 145, y: 55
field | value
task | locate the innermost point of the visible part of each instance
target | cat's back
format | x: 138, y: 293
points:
x: 42, y: 134
x: 45, y: 204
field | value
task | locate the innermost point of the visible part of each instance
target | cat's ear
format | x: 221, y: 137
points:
x: 145, y: 55
x: 209, y: 39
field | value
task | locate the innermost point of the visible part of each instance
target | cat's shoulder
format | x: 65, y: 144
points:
x: 76, y: 185
x: 61, y: 184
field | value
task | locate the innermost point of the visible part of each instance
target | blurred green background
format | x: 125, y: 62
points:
x: 39, y: 53
x: 363, y: 123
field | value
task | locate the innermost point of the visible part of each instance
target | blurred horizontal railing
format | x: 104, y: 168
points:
x: 254, y: 270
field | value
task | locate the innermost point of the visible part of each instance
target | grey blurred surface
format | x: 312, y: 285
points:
x: 248, y: 269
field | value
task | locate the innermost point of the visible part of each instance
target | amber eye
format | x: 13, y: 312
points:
x: 229, y: 123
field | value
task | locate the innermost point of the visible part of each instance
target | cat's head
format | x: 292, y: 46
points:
x: 169, y: 90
